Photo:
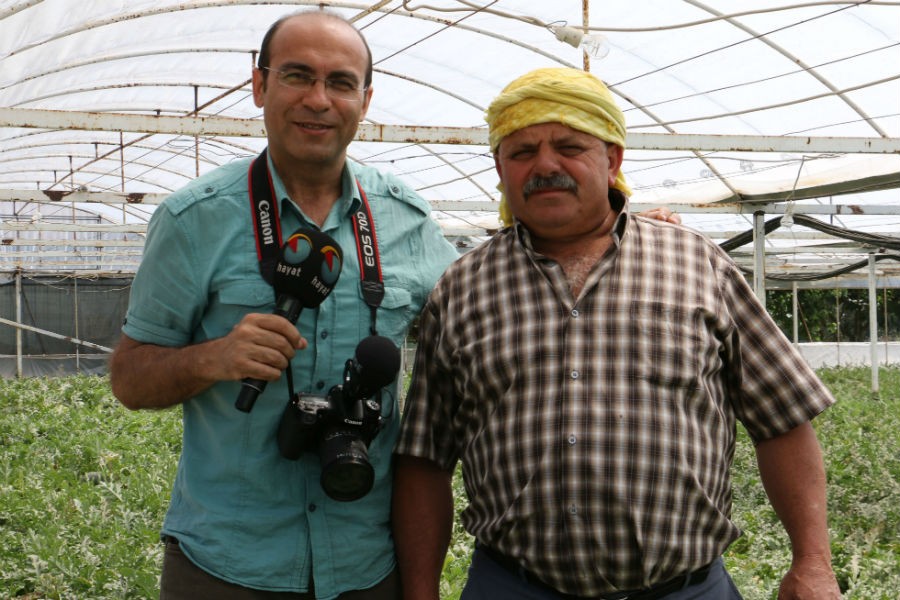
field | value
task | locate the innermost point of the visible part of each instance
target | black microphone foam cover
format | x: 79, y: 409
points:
x: 308, y: 268
x: 379, y: 361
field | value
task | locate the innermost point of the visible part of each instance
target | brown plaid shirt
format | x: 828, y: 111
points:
x: 597, y: 434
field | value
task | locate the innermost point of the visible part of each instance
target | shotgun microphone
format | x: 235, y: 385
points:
x: 374, y: 365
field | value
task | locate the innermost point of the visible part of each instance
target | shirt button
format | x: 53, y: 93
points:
x: 395, y: 189
x: 312, y: 508
x: 209, y: 190
x: 572, y: 438
x: 574, y: 375
x: 324, y: 334
x: 320, y: 385
x: 573, y: 510
x: 575, y: 313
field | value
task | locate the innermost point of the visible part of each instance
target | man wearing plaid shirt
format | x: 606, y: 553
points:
x: 588, y: 368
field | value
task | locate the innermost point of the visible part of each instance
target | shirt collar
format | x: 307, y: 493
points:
x: 618, y: 229
x: 349, y: 201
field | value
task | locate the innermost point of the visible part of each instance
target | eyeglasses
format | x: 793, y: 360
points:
x: 335, y: 87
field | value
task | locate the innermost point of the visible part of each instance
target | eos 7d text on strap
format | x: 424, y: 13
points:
x: 369, y: 261
x: 267, y: 229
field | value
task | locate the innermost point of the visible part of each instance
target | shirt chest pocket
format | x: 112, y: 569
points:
x: 668, y: 346
x: 232, y: 301
x: 394, y: 315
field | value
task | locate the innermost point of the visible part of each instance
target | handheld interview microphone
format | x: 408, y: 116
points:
x: 306, y: 272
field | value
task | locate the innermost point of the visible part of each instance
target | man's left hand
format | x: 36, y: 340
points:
x: 809, y: 580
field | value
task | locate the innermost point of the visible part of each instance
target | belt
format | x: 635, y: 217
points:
x: 659, y: 590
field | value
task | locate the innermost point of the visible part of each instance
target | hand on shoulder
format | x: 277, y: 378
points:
x: 663, y: 214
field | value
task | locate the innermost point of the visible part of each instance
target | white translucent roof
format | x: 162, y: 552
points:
x: 726, y: 100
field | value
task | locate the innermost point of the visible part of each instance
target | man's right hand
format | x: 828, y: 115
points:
x: 152, y: 376
x: 259, y: 347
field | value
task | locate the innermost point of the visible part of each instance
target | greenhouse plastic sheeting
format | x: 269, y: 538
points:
x: 89, y: 310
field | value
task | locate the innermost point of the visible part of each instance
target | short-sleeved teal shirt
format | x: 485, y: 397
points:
x: 241, y: 511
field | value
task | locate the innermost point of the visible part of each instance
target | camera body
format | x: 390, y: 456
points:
x: 339, y: 427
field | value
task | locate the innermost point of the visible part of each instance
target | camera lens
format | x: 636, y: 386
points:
x: 346, y: 472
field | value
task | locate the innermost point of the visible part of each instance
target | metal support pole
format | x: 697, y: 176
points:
x: 873, y: 323
x: 75, y: 307
x: 837, y: 320
x: 122, y: 161
x: 795, y: 312
x: 19, y: 369
x: 196, y: 137
x: 55, y: 336
x: 759, y: 256
x: 887, y: 333
x: 585, y: 19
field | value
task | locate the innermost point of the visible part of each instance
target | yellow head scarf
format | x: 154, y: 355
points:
x: 556, y: 95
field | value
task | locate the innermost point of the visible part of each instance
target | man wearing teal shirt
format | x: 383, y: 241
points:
x: 244, y: 522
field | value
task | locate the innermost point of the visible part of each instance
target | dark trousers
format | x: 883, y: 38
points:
x: 489, y: 581
x: 183, y: 580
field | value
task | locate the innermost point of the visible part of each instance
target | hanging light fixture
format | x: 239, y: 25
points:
x: 594, y: 44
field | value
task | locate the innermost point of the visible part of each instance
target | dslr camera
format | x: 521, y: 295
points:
x: 340, y: 425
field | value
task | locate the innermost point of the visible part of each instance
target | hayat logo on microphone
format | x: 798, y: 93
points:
x: 298, y: 249
x: 331, y: 264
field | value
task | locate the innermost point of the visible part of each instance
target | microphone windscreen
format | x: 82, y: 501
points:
x: 309, y: 267
x: 379, y: 361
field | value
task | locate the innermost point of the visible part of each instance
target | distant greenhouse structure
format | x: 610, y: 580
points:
x: 748, y: 120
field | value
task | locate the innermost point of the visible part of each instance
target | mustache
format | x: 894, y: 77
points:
x: 556, y: 182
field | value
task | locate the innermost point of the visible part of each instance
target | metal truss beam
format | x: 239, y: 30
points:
x: 772, y: 208
x: 223, y: 126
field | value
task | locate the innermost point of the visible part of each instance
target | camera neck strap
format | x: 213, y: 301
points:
x: 267, y: 229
